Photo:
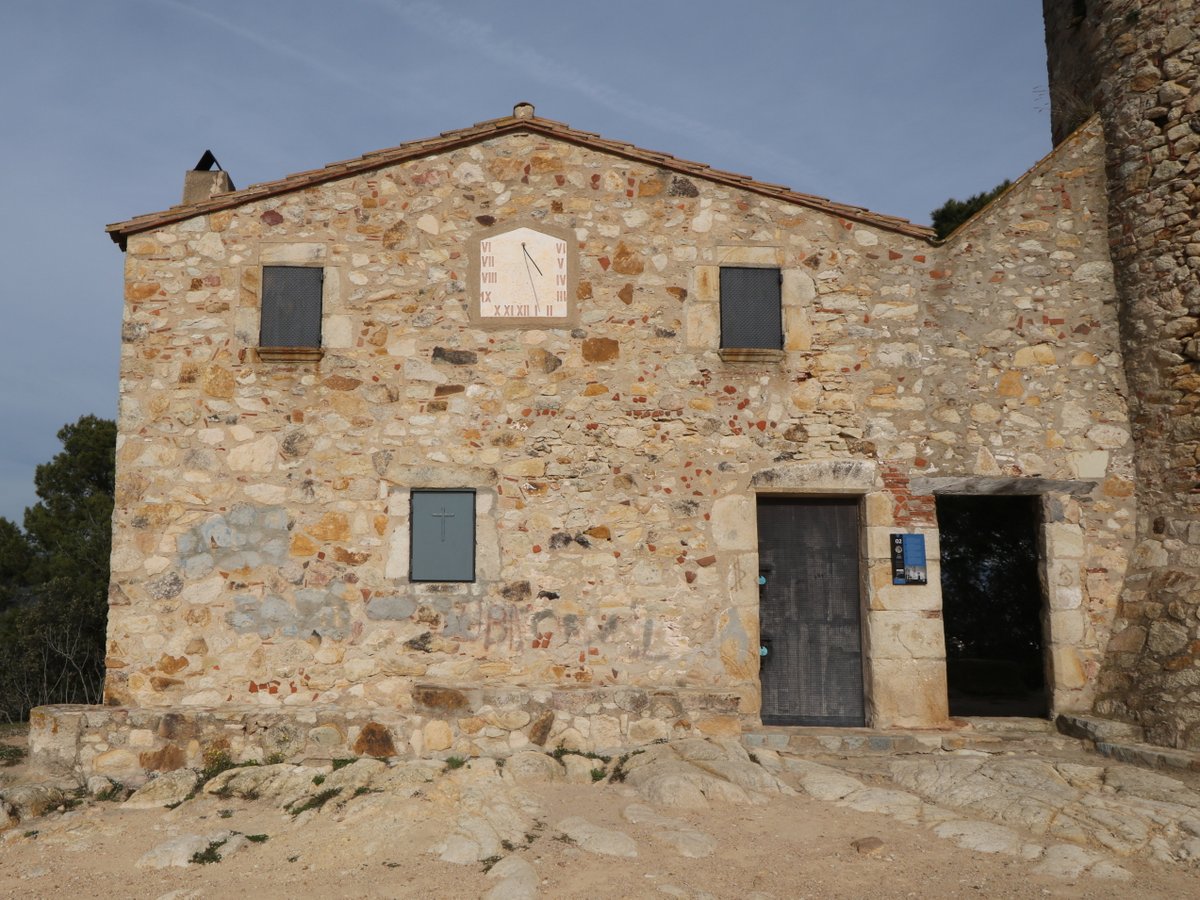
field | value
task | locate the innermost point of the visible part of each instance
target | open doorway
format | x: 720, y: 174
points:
x: 992, y: 604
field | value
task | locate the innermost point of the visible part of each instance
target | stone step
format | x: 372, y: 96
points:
x: 1096, y: 729
x: 1122, y: 741
x: 1022, y: 725
x: 991, y: 737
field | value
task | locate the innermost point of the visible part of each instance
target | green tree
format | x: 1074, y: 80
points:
x: 14, y: 563
x: 70, y: 529
x: 953, y: 212
x: 54, y: 577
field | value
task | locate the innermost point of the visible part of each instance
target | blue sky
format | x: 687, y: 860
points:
x: 890, y: 104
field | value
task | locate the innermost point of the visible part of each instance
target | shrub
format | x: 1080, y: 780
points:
x: 315, y: 802
x: 209, y: 854
x: 216, y: 761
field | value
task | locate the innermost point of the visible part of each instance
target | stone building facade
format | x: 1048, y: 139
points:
x: 616, y: 459
x: 1137, y: 64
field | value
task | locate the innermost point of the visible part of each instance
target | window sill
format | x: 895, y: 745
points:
x: 750, y: 355
x: 290, y: 354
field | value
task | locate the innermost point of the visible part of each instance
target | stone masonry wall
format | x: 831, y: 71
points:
x: 1044, y: 363
x: 261, y: 538
x: 128, y: 744
x: 1143, y: 59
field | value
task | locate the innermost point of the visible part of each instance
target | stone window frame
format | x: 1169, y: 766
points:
x: 702, y: 309
x: 396, y: 491
x: 301, y: 255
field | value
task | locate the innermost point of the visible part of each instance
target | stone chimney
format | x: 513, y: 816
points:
x: 206, y: 180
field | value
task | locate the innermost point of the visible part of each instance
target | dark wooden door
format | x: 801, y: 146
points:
x: 809, y: 614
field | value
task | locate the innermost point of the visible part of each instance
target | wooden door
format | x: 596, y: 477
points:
x: 809, y: 612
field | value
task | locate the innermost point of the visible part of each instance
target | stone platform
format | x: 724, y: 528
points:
x: 130, y: 744
x: 976, y: 734
x: 1116, y: 740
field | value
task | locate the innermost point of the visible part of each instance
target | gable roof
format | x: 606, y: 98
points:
x: 522, y: 120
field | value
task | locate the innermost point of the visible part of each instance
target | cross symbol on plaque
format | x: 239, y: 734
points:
x: 443, y: 515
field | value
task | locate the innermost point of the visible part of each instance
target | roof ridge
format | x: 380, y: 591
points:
x: 375, y: 159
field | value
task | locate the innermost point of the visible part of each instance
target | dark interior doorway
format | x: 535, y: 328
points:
x: 992, y: 605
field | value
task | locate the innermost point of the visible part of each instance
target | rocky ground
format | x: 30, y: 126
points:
x: 694, y: 818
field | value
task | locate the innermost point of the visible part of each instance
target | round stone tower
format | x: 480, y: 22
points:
x: 1137, y: 64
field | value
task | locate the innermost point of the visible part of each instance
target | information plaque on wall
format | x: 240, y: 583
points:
x: 908, y: 559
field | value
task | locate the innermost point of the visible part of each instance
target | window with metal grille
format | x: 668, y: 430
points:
x: 751, y: 310
x: 291, y: 306
x: 443, y: 536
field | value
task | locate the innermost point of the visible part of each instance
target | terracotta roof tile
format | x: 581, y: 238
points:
x: 450, y: 140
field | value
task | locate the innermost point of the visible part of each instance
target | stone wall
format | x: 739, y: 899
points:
x: 128, y: 744
x: 1141, y: 57
x: 1040, y: 250
x: 261, y: 539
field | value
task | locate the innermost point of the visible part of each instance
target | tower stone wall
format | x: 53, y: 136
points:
x: 1137, y: 63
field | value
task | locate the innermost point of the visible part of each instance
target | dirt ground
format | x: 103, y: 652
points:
x: 792, y: 847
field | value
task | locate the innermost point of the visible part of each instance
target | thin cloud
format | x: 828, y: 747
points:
x: 436, y: 21
x: 280, y: 48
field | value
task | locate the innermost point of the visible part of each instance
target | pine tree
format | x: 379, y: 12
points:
x: 54, y: 577
x: 953, y: 213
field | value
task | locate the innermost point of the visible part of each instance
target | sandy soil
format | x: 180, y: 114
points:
x: 376, y: 846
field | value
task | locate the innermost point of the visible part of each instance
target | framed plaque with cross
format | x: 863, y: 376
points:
x: 443, y: 536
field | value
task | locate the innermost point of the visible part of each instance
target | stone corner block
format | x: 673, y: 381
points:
x: 702, y: 326
x: 733, y: 523
x: 908, y: 694
x: 798, y: 288
x: 707, y: 286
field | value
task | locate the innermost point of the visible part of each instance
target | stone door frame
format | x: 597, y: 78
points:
x: 1060, y: 555
x: 831, y: 479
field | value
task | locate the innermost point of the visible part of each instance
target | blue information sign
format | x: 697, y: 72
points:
x: 908, y: 559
